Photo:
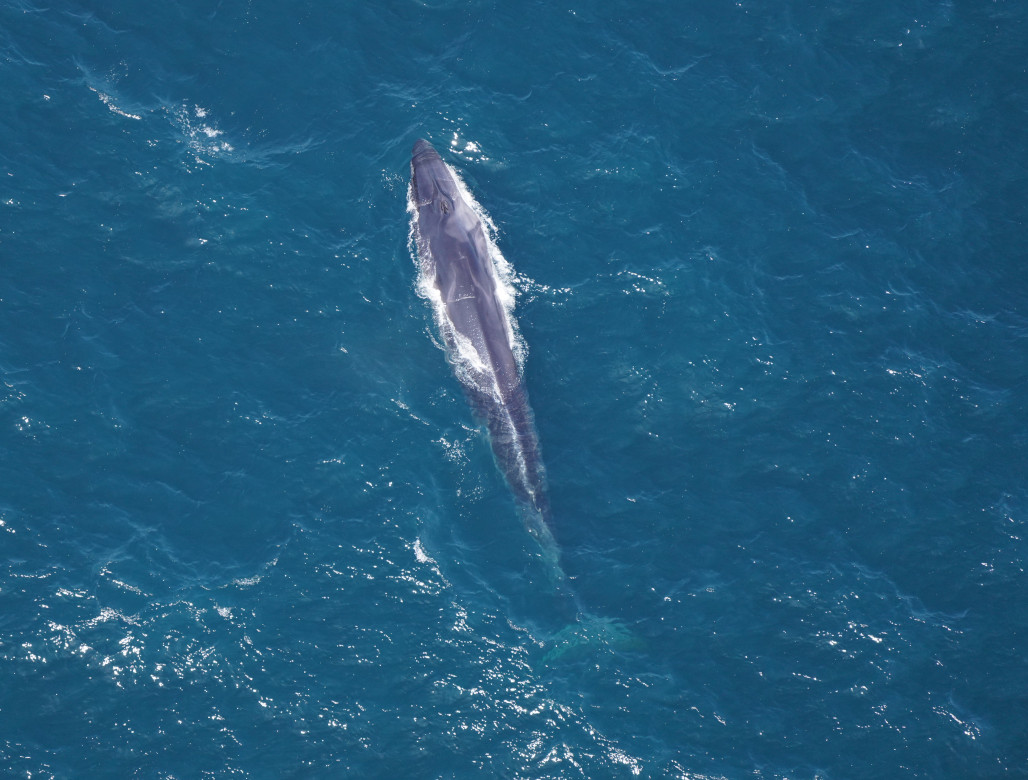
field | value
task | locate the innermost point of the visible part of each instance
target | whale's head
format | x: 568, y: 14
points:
x: 431, y: 180
x: 422, y: 150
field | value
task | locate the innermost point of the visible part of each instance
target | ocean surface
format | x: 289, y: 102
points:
x: 771, y: 263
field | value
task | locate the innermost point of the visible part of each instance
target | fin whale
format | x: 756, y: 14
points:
x: 459, y: 275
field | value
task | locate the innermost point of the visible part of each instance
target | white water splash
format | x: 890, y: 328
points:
x: 109, y: 102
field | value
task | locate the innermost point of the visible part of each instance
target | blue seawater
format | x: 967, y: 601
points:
x: 771, y: 265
